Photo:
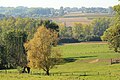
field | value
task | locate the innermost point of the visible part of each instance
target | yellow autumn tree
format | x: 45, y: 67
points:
x: 40, y: 51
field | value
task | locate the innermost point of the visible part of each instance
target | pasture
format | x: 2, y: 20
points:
x: 83, y: 61
x: 84, y: 18
x: 71, y: 20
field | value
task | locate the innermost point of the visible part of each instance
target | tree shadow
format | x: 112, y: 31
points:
x: 73, y: 59
x: 82, y: 57
x: 67, y: 60
x: 87, y: 56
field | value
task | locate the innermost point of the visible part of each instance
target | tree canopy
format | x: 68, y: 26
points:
x: 112, y: 34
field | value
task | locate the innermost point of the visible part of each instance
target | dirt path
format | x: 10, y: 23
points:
x: 94, y: 61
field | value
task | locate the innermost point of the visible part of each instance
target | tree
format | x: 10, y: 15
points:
x: 3, y: 56
x: 78, y: 31
x: 88, y: 32
x: 62, y: 30
x: 61, y: 11
x: 15, y: 51
x: 51, y: 25
x: 65, y: 32
x: 24, y: 24
x: 99, y: 26
x: 112, y: 34
x: 39, y: 50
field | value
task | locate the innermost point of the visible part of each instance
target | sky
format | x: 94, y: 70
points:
x: 58, y: 3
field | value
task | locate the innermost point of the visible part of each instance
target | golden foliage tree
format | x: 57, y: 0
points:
x: 40, y: 51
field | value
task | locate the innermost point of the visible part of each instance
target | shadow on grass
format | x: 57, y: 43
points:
x: 81, y: 57
x: 73, y: 59
x: 87, y: 56
x: 67, y: 60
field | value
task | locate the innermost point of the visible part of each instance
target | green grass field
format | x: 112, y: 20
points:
x: 88, y: 61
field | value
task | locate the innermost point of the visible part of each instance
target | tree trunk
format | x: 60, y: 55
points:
x: 116, y: 50
x: 47, y: 72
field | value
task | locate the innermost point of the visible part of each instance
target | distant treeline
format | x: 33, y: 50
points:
x: 84, y: 32
x: 49, y: 12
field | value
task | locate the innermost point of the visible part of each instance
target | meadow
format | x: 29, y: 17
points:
x: 84, y: 18
x: 83, y: 61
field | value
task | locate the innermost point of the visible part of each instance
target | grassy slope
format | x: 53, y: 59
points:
x: 81, y: 55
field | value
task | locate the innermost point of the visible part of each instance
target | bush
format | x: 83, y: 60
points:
x: 19, y: 69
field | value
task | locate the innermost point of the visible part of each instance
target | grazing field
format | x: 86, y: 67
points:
x: 83, y: 61
x: 84, y: 18
x: 88, y: 15
x: 70, y: 21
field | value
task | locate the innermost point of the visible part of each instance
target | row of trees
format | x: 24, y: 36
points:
x: 14, y: 32
x: 12, y: 49
x: 25, y: 11
x: 86, y: 32
x: 49, y: 12
x: 2, y: 16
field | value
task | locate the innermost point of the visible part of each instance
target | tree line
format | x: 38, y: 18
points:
x: 86, y: 32
x: 49, y: 12
x: 14, y: 32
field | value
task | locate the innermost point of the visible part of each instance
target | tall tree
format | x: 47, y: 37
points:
x: 3, y: 57
x: 39, y: 49
x: 99, y: 26
x: 51, y: 25
x: 78, y: 31
x: 112, y: 35
x: 15, y: 51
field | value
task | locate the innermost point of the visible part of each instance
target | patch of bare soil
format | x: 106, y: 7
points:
x: 94, y: 61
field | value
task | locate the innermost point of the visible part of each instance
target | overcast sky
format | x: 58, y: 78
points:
x: 58, y: 3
